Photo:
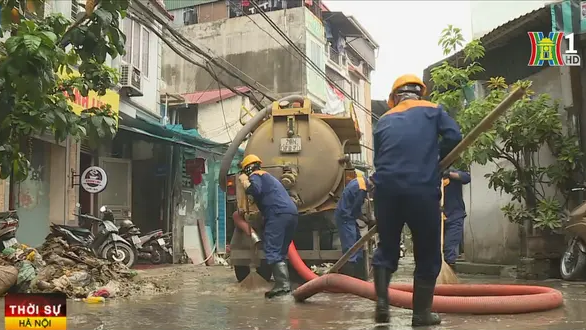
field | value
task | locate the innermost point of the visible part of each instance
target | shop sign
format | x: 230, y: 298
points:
x: 94, y: 179
x: 92, y: 99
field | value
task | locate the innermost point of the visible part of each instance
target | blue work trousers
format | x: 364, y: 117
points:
x: 453, y: 230
x: 422, y: 214
x: 278, y: 235
x: 349, y: 234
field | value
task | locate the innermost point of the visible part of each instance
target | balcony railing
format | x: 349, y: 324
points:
x: 338, y: 59
x: 335, y: 56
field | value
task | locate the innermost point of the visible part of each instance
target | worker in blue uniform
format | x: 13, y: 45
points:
x: 455, y: 212
x: 348, y: 210
x: 407, y: 151
x: 280, y: 219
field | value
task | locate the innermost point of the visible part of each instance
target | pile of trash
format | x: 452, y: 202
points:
x: 59, y: 267
x: 321, y: 269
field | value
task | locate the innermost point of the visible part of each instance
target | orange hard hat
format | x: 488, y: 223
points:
x: 403, y: 80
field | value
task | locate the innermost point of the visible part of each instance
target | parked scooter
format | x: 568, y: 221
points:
x: 573, y: 263
x: 8, y: 226
x: 150, y: 246
x: 106, y: 243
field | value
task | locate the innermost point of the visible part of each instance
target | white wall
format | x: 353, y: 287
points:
x: 488, y: 236
x: 488, y: 15
x: 210, y: 119
x: 150, y: 85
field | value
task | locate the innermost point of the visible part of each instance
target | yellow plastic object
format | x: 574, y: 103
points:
x: 249, y: 160
x: 31, y: 256
x: 94, y: 300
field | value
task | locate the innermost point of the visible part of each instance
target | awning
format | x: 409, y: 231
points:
x: 339, y: 21
x: 162, y: 138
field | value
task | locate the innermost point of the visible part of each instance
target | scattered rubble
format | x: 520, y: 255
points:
x: 322, y: 268
x: 58, y: 267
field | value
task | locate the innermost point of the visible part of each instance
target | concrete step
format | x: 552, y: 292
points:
x: 476, y: 268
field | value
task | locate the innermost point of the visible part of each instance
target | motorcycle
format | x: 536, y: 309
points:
x: 573, y: 263
x: 106, y: 243
x: 150, y: 246
x: 9, y: 223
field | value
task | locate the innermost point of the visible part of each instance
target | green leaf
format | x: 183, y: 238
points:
x: 12, y: 44
x: 50, y: 36
x: 31, y: 43
x: 104, y: 16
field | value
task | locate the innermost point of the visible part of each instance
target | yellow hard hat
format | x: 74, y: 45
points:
x: 402, y: 81
x: 249, y: 160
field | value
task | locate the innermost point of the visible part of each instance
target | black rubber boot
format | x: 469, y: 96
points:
x: 282, y: 285
x: 422, y: 301
x: 382, y: 278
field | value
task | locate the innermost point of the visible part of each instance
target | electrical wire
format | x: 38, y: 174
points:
x: 206, y: 55
x: 308, y: 60
x: 222, y: 105
x: 191, y: 60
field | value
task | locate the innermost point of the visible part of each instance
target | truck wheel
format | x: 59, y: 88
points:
x: 263, y: 270
x: 241, y: 272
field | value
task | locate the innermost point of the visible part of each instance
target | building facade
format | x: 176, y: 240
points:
x: 336, y: 45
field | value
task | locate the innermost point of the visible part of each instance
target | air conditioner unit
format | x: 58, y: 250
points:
x: 130, y: 80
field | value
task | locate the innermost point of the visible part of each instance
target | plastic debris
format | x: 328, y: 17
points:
x: 73, y: 270
x: 94, y: 300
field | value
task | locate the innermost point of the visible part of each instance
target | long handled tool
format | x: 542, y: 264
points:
x: 482, y: 127
x: 447, y: 274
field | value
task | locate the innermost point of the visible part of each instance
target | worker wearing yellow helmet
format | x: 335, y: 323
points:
x: 407, y: 150
x: 280, y: 216
x: 348, y: 210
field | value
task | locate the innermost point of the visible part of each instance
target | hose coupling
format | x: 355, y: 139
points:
x: 255, y: 238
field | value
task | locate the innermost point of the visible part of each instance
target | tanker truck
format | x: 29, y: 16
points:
x: 309, y: 153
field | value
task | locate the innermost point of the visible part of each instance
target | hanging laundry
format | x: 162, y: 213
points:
x: 328, y: 29
x: 195, y: 168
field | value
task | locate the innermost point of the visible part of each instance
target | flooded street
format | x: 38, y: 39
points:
x: 213, y: 300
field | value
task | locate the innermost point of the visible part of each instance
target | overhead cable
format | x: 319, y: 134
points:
x: 306, y: 58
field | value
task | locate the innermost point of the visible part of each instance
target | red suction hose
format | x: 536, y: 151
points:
x: 449, y: 298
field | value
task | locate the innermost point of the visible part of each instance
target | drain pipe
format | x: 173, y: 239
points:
x: 241, y: 136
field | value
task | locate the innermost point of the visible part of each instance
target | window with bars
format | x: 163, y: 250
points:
x: 74, y: 8
x: 137, y: 46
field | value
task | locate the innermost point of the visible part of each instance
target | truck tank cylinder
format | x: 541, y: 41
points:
x: 317, y: 163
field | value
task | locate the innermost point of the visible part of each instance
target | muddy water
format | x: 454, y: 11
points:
x: 215, y: 302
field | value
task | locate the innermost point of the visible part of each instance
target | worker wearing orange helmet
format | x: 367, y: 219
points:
x: 407, y: 177
x: 280, y: 216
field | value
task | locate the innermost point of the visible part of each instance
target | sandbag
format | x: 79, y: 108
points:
x: 8, y: 277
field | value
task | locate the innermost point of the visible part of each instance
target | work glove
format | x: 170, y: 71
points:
x: 446, y: 174
x: 243, y: 178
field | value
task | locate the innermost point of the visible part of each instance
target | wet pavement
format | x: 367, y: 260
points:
x: 212, y: 300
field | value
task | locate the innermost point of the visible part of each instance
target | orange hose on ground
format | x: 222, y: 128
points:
x: 449, y: 298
